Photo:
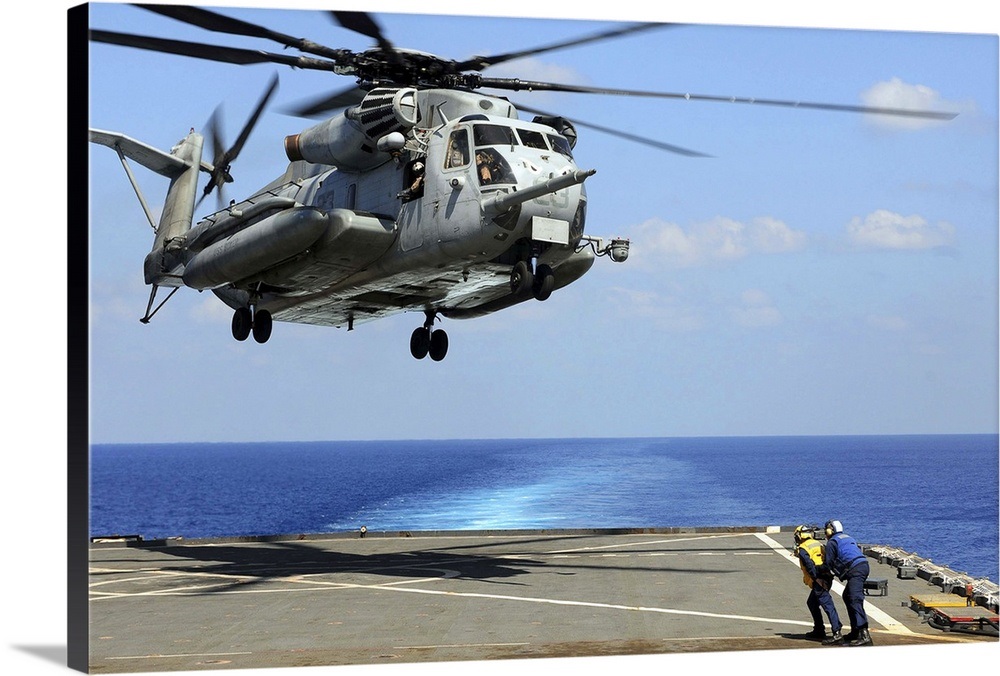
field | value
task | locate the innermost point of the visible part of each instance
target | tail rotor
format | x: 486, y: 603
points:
x: 222, y: 160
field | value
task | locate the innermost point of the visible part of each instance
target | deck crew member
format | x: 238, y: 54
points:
x: 416, y: 188
x: 817, y: 577
x: 848, y: 562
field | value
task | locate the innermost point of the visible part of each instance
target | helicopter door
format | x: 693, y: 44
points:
x: 451, y: 190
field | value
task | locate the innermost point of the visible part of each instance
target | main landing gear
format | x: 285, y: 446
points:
x: 540, y: 283
x: 247, y: 321
x: 425, y: 341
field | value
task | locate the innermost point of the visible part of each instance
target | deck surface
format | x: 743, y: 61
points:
x: 441, y: 597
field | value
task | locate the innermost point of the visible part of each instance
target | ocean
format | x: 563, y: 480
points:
x: 934, y: 495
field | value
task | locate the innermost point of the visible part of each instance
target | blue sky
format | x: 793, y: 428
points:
x: 825, y: 337
x: 821, y: 273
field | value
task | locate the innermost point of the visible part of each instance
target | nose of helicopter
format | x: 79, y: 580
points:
x: 555, y: 195
x: 544, y: 207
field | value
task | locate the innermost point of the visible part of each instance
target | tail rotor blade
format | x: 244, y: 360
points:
x: 223, y: 159
x: 254, y: 117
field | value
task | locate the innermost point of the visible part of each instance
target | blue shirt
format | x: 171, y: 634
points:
x: 843, y: 553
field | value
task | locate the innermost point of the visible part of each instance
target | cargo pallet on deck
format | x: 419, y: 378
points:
x: 970, y: 619
x: 924, y: 604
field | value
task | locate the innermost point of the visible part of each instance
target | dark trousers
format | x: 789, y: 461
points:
x: 820, y: 598
x: 854, y: 595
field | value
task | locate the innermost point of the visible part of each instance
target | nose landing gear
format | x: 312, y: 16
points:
x: 521, y: 278
x: 544, y: 282
x: 425, y: 341
x: 540, y: 283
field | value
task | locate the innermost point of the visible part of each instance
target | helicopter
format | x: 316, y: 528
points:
x: 419, y: 193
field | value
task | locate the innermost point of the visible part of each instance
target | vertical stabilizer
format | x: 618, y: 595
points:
x: 164, y: 263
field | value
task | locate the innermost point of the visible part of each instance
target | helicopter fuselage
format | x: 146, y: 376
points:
x: 361, y: 244
x: 435, y: 201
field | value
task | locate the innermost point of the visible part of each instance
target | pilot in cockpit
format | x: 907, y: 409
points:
x: 487, y: 167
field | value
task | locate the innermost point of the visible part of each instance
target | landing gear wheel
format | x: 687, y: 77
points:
x: 545, y: 281
x: 242, y: 323
x: 420, y: 342
x: 438, y: 345
x: 262, y: 326
x: 521, y: 279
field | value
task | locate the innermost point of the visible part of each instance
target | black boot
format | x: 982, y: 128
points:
x: 836, y: 639
x: 864, y: 638
x: 817, y: 634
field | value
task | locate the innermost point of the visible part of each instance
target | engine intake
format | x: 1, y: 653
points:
x: 349, y: 141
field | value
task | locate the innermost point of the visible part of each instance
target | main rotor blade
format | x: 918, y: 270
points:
x: 351, y: 96
x: 481, y: 62
x: 199, y: 50
x: 225, y: 24
x: 622, y: 134
x: 363, y: 23
x: 518, y: 85
x: 217, y: 22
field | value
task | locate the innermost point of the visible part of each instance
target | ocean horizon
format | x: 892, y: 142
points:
x: 934, y: 495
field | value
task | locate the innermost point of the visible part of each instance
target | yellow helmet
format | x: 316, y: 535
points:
x: 803, y: 533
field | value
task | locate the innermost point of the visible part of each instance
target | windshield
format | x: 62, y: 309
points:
x: 491, y: 167
x: 493, y: 135
x: 560, y: 145
x: 532, y: 139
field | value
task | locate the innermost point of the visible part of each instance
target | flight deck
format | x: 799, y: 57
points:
x: 335, y: 599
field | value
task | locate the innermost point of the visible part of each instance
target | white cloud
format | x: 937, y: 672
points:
x: 678, y: 310
x: 883, y: 229
x: 656, y: 242
x: 666, y: 313
x: 211, y: 310
x: 769, y: 235
x: 531, y: 68
x: 756, y: 310
x: 898, y: 94
x: 119, y: 299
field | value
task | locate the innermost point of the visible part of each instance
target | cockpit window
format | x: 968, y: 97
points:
x: 492, y: 167
x: 457, y: 154
x: 532, y: 139
x: 493, y: 135
x: 560, y: 145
